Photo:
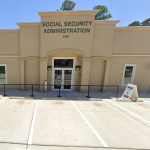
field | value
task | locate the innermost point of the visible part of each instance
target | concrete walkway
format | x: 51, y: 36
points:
x: 67, y: 95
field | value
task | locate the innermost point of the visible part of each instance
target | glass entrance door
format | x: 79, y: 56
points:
x: 63, y: 78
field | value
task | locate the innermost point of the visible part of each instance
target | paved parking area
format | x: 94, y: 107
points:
x: 29, y: 124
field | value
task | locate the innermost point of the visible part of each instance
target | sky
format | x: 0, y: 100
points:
x: 12, y: 11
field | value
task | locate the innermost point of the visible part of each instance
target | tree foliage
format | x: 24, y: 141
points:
x: 135, y: 23
x: 146, y: 22
x: 67, y: 5
x: 103, y: 14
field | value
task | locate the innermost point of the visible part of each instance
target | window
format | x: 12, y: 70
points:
x: 128, y: 74
x: 63, y: 63
x: 3, y: 79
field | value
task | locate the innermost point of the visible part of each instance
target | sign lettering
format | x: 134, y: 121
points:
x: 77, y: 24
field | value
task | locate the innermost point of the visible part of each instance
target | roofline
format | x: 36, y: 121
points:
x: 106, y: 22
x: 133, y: 28
x: 9, y: 30
x: 28, y: 24
x: 68, y: 13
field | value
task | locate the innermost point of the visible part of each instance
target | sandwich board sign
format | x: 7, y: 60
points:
x: 130, y: 92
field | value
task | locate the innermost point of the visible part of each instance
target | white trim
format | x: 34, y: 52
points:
x: 9, y: 55
x: 5, y: 72
x: 130, y: 55
x: 73, y: 71
x: 133, y: 73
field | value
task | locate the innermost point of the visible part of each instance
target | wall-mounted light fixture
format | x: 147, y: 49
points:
x: 78, y: 68
x: 49, y: 68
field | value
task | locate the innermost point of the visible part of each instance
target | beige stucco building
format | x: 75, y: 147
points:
x: 71, y: 48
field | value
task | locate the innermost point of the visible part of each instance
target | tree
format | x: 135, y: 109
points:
x: 135, y: 23
x: 146, y: 22
x: 103, y: 13
x: 67, y: 5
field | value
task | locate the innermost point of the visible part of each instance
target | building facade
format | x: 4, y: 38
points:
x: 71, y: 48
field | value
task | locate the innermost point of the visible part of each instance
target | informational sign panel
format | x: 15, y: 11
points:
x: 131, y: 92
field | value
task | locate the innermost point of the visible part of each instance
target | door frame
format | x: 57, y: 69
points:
x: 73, y: 72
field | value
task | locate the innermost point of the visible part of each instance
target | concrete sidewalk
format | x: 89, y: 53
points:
x: 74, y: 95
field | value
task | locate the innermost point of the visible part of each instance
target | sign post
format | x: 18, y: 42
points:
x: 131, y: 93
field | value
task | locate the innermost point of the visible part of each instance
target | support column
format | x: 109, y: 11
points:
x: 43, y: 73
x: 106, y: 77
x: 22, y: 74
x: 85, y: 74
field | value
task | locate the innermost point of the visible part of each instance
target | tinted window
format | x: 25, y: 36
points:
x: 2, y: 74
x: 128, y: 74
x: 63, y: 63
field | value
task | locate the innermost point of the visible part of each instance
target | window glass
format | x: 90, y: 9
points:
x: 128, y: 74
x: 63, y: 63
x: 67, y: 79
x: 58, y: 78
x: 2, y: 74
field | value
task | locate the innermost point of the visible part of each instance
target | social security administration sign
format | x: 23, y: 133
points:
x: 128, y: 91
